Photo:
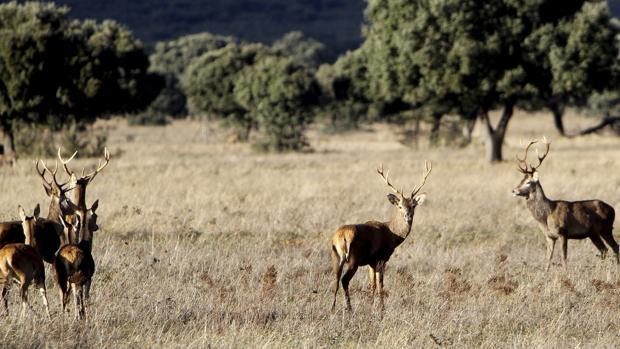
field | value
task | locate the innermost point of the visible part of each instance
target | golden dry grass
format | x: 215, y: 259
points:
x: 204, y: 243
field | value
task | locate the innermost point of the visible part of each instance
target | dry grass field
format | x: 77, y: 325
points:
x: 208, y: 244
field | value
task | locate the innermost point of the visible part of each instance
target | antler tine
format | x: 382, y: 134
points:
x: 428, y: 167
x: 65, y: 162
x: 53, y: 173
x: 524, y: 168
x: 542, y: 158
x: 385, y: 179
x: 106, y: 157
x: 527, y: 149
x: 42, y: 174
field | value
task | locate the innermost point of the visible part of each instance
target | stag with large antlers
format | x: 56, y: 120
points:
x: 373, y: 243
x: 48, y: 233
x: 79, y: 184
x: 563, y: 220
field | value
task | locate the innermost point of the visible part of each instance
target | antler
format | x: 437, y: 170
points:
x: 46, y: 183
x: 528, y: 168
x: 106, y: 157
x: 65, y: 162
x: 41, y: 174
x: 385, y: 179
x: 90, y: 176
x: 542, y: 158
x: 428, y: 167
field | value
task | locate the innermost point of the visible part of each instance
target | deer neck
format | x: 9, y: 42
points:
x: 539, y: 205
x: 54, y: 210
x: 400, y: 228
x: 85, y: 239
x: 79, y: 195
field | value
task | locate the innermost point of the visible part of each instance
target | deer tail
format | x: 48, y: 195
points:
x: 342, y: 249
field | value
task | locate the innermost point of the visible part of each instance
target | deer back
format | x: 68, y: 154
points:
x: 587, y: 216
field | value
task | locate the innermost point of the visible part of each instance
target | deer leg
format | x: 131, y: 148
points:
x: 5, y: 293
x: 564, y: 250
x: 346, y: 278
x: 609, y: 238
x: 338, y: 264
x: 24, y: 295
x: 596, y: 240
x: 87, y: 288
x: 379, y: 277
x: 76, y: 301
x: 81, y: 298
x: 44, y: 296
x: 372, y: 285
x: 550, y: 247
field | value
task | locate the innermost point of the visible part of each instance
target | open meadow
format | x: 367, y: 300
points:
x: 204, y: 243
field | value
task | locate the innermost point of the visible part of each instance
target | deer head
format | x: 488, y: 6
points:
x: 83, y: 223
x: 406, y: 204
x: 530, y: 172
x: 53, y: 189
x: 79, y: 183
x: 28, y: 223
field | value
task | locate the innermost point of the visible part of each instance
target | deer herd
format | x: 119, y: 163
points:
x: 62, y: 240
x: 372, y: 243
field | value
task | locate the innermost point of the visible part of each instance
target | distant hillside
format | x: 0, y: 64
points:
x: 337, y: 23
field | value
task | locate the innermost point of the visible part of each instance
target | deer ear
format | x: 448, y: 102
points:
x: 22, y: 214
x: 48, y: 191
x: 73, y: 179
x: 394, y: 200
x: 419, y: 200
x: 93, y: 208
x: 37, y: 211
x: 535, y: 176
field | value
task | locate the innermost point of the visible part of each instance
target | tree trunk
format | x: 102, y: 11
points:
x: 558, y: 117
x: 9, y: 143
x: 434, y: 136
x: 495, y: 135
x: 468, y: 129
x: 605, y: 121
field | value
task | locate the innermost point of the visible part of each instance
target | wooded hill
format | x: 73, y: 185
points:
x: 337, y: 23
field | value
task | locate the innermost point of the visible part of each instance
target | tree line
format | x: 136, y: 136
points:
x: 421, y: 59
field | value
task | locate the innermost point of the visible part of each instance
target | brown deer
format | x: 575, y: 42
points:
x: 21, y: 262
x: 564, y: 220
x: 49, y: 232
x: 74, y: 265
x: 372, y: 243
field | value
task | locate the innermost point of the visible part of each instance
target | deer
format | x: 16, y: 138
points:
x: 372, y: 243
x: 21, y: 262
x: 564, y: 220
x: 49, y: 232
x: 74, y: 265
x: 79, y: 185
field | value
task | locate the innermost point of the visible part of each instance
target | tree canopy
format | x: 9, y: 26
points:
x: 468, y: 57
x: 54, y: 71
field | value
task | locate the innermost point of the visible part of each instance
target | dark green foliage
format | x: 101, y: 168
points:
x: 468, y: 57
x: 303, y: 50
x: 279, y: 94
x: 170, y: 59
x: 209, y: 84
x: 345, y: 94
x: 54, y: 71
